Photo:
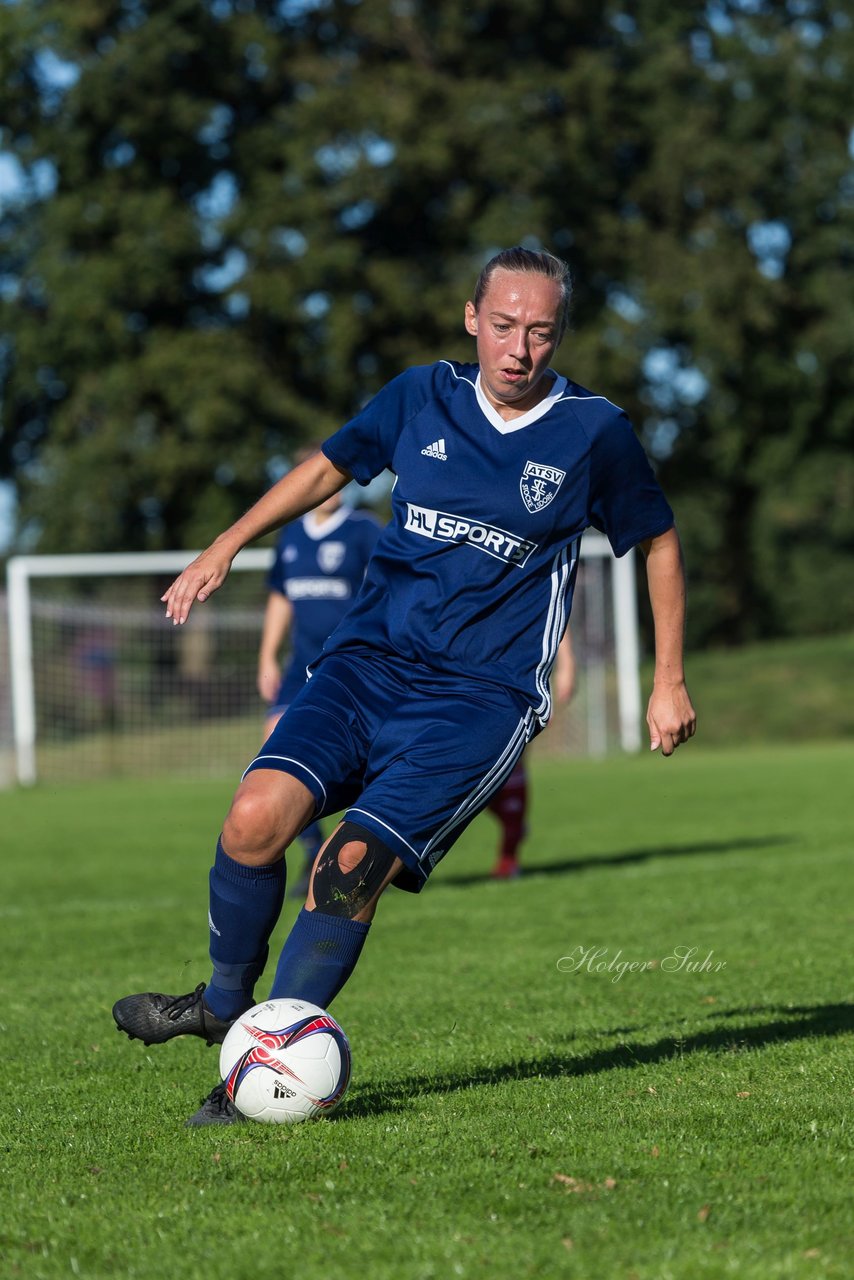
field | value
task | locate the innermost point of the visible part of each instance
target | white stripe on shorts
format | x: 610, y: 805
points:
x: 288, y: 760
x: 488, y: 785
x: 374, y: 818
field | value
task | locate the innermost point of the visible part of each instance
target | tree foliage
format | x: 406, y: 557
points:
x: 242, y: 216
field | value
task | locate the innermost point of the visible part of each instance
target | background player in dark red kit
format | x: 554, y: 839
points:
x: 510, y: 805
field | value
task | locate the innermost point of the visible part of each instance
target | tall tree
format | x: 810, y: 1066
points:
x: 262, y: 210
x: 741, y: 249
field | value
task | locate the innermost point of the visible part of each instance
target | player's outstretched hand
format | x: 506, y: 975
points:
x: 198, y: 581
x: 671, y: 717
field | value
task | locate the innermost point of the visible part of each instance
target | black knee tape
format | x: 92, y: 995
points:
x: 345, y: 893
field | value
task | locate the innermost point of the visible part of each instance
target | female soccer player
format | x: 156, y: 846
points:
x: 425, y: 696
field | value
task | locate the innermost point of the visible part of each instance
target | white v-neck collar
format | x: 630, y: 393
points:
x: 316, y: 530
x: 525, y: 419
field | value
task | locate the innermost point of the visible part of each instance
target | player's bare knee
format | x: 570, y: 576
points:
x: 251, y: 831
x: 351, y: 870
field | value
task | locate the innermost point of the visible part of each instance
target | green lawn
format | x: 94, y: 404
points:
x: 795, y: 690
x: 518, y: 1109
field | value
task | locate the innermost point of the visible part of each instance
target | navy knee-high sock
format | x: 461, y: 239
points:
x: 318, y: 957
x: 245, y: 903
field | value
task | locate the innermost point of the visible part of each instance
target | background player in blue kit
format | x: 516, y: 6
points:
x: 427, y: 692
x: 318, y: 566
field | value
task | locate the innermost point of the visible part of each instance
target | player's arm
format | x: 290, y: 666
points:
x: 670, y: 716
x: 278, y: 617
x: 299, y: 491
x: 564, y: 672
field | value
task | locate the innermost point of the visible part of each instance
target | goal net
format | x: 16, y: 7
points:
x: 103, y: 685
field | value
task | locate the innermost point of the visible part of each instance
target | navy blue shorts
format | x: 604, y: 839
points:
x: 410, y: 753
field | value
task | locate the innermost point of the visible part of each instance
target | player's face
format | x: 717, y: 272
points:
x: 517, y: 327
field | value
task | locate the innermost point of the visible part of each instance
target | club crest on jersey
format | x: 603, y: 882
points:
x: 539, y: 484
x: 330, y: 555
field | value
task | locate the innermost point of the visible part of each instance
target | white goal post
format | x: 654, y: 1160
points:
x: 101, y: 684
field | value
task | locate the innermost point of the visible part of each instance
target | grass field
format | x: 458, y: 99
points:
x: 792, y: 690
x: 517, y: 1110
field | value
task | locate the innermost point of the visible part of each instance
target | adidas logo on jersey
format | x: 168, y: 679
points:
x: 436, y: 450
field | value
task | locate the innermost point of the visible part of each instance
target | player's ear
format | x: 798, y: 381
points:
x: 471, y: 319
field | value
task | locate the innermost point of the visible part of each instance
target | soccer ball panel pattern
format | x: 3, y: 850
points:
x: 285, y: 1061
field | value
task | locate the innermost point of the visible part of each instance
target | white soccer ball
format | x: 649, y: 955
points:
x: 284, y: 1061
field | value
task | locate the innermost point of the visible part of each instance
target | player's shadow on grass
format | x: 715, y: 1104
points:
x: 451, y: 881
x: 790, y: 1024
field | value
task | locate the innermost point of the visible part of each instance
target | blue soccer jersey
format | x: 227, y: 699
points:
x: 474, y: 574
x: 319, y: 567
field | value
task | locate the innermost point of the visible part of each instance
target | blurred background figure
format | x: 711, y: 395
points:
x: 96, y: 684
x: 318, y: 566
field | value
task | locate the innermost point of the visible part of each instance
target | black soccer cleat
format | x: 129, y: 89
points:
x: 154, y: 1018
x: 217, y: 1108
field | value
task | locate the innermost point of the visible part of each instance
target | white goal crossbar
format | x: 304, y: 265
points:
x: 22, y: 570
